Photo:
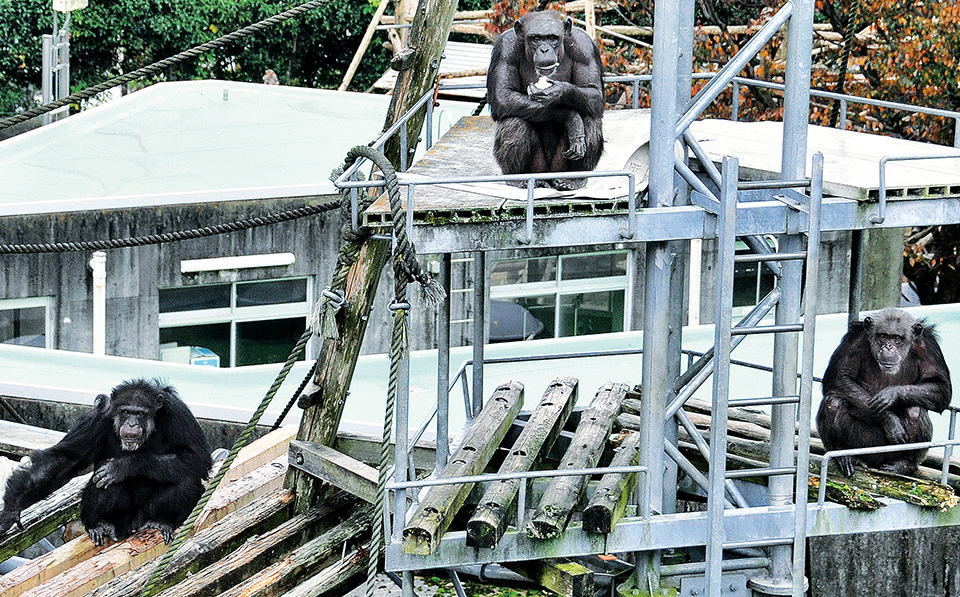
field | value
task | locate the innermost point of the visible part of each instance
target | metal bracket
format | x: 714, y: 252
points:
x: 732, y: 585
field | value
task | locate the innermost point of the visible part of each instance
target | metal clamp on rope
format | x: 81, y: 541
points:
x: 399, y: 306
x: 335, y: 297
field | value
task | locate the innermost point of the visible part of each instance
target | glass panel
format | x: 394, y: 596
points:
x: 268, y: 341
x: 540, y: 310
x: 26, y: 326
x: 605, y: 265
x: 591, y: 313
x: 212, y: 336
x: 194, y: 298
x: 745, y: 284
x: 521, y: 271
x: 251, y: 294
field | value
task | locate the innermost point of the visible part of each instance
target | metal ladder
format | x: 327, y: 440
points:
x: 798, y: 205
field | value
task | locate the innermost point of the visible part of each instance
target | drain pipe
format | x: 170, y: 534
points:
x: 99, y: 266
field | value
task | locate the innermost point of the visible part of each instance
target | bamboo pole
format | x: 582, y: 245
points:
x: 364, y: 44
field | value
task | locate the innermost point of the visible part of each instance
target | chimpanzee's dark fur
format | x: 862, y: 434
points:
x: 556, y: 129
x: 882, y: 380
x: 149, y: 461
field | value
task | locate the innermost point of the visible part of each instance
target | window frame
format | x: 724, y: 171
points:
x: 233, y: 314
x: 49, y: 320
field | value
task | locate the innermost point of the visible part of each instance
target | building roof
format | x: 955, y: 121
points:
x: 189, y: 142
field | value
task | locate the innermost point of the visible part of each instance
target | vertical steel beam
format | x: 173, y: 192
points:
x: 656, y: 325
x: 479, y: 327
x: 786, y: 346
x: 443, y: 365
x: 723, y: 340
x: 856, y: 275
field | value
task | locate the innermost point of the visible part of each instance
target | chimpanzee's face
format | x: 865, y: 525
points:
x: 892, y: 336
x: 542, y: 35
x: 133, y: 425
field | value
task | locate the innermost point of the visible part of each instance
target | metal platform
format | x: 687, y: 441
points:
x: 467, y: 216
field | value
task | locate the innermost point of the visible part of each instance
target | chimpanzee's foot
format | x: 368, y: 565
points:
x: 849, y: 464
x: 100, y: 532
x: 568, y: 184
x: 900, y: 467
x: 166, y: 531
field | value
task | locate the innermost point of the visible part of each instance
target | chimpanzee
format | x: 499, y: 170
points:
x: 545, y: 89
x: 149, y: 459
x: 887, y: 372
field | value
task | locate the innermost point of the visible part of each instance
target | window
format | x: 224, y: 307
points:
x: 560, y: 295
x: 27, y: 322
x: 751, y: 281
x: 242, y: 323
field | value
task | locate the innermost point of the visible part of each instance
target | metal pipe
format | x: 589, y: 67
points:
x: 98, y: 263
x: 699, y: 567
x: 882, y: 206
x: 704, y: 449
x: 691, y: 471
x: 479, y: 328
x: 711, y: 90
x: 570, y: 472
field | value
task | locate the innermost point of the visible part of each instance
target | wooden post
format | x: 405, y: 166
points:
x: 563, y: 493
x: 563, y: 577
x: 428, y: 36
x: 338, y: 358
x: 488, y: 523
x: 441, y: 503
x: 610, y: 498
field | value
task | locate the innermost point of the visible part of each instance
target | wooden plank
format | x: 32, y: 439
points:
x: 563, y: 577
x: 20, y: 440
x: 489, y: 521
x: 335, y: 520
x: 260, y: 451
x: 563, y: 493
x: 45, y: 567
x: 69, y: 578
x: 609, y: 500
x: 438, y: 507
x: 335, y: 468
x: 208, y: 546
x: 337, y: 579
x: 365, y: 447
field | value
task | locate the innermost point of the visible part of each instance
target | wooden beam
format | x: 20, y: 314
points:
x: 489, y: 521
x: 563, y: 493
x: 331, y: 523
x: 208, y: 546
x: 335, y: 468
x: 441, y: 503
x: 44, y: 517
x: 259, y: 452
x: 609, y: 500
x: 563, y: 577
x: 20, y: 440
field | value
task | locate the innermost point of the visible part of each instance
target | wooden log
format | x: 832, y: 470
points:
x: 323, y: 401
x: 44, y: 517
x: 209, y: 545
x: 316, y: 555
x: 438, y: 507
x: 563, y: 577
x: 239, y: 492
x: 365, y: 447
x: 563, y: 493
x: 336, y: 468
x: 489, y: 521
x: 332, y: 522
x: 842, y: 493
x: 337, y: 579
x: 45, y: 567
x: 610, y: 498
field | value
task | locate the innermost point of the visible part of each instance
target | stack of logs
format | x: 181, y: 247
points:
x: 748, y: 446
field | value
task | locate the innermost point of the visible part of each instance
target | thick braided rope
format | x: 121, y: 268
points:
x: 151, y: 587
x: 154, y: 239
x: 157, y: 67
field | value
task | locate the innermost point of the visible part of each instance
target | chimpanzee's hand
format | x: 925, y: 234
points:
x: 8, y: 518
x: 109, y: 473
x: 849, y: 464
x: 894, y: 430
x: 102, y: 531
x: 883, y: 400
x: 548, y: 96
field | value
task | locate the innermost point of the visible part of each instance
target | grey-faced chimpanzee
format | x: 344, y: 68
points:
x: 880, y: 383
x: 149, y: 461
x: 540, y: 127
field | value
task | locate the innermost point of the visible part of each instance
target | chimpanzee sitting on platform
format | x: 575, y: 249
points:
x: 882, y: 380
x: 545, y: 89
x: 149, y: 461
